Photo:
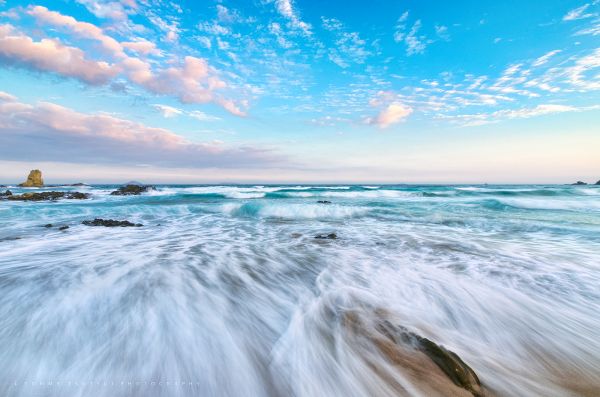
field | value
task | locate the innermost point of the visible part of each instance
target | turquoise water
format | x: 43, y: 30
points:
x: 226, y: 290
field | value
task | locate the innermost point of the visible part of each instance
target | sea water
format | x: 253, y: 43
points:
x: 225, y: 291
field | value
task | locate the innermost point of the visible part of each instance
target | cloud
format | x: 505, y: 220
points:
x: 199, y: 115
x: 50, y: 132
x: 80, y: 29
x: 286, y: 9
x: 167, y: 111
x: 116, y: 10
x: 190, y: 80
x: 544, y: 58
x: 349, y: 47
x: 442, y: 32
x: 391, y: 114
x: 472, y: 120
x: 415, y: 43
x: 578, y: 13
x: 50, y: 55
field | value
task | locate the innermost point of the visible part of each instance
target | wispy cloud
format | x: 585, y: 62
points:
x: 578, y: 13
x: 392, y: 113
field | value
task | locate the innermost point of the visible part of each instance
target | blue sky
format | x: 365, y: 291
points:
x: 300, y: 91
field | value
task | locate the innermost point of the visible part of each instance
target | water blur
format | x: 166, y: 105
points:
x: 226, y: 292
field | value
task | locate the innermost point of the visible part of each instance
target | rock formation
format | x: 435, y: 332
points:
x: 34, y: 179
x: 131, y: 190
x: 330, y: 236
x: 598, y: 183
x: 579, y: 183
x: 110, y: 223
x: 6, y: 193
x: 51, y: 196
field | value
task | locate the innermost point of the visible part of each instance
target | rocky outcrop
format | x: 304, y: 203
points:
x: 439, y: 371
x: 34, y: 179
x: 132, y: 190
x: 110, y: 223
x: 49, y: 196
x: 598, y: 183
x: 578, y: 183
x: 330, y: 236
x: 6, y: 193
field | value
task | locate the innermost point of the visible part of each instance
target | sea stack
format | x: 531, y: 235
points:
x: 598, y: 183
x: 34, y: 179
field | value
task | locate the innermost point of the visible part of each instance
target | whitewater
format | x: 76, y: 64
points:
x: 225, y: 291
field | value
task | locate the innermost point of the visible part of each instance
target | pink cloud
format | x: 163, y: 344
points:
x: 391, y: 114
x: 50, y: 132
x: 50, y: 55
x: 82, y: 29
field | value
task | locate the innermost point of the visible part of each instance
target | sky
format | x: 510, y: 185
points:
x: 300, y: 91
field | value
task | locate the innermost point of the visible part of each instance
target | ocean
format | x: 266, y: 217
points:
x: 227, y: 291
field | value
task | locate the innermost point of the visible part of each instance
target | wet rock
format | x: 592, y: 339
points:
x: 598, y: 183
x: 579, y: 183
x: 78, y: 184
x: 65, y: 227
x: 324, y: 202
x: 416, y: 354
x: 48, y: 225
x: 9, y: 238
x: 132, y: 190
x: 49, y: 196
x: 296, y: 235
x: 110, y: 223
x: 330, y: 236
x: 34, y: 179
x: 6, y: 193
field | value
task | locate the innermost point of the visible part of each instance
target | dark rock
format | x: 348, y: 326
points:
x: 65, y: 227
x: 579, y: 183
x: 598, y: 183
x: 132, y: 190
x: 78, y: 184
x: 34, y: 179
x: 48, y: 225
x: 110, y: 223
x: 6, y: 193
x: 44, y: 196
x: 9, y: 238
x: 330, y: 236
x: 324, y: 202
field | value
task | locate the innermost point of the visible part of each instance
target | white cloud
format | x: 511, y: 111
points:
x: 544, y: 58
x: 286, y: 9
x: 578, y: 13
x: 168, y: 111
x: 472, y: 120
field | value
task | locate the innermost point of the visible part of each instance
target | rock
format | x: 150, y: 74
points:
x: 130, y: 190
x: 45, y: 196
x: 6, y: 193
x: 65, y: 227
x: 34, y: 179
x: 330, y: 236
x: 598, y: 183
x: 78, y: 184
x: 324, y: 202
x: 415, y: 354
x: 110, y: 223
x: 579, y: 183
x: 48, y: 225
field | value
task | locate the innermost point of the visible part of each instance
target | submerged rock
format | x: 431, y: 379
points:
x: 34, y: 179
x: 49, y: 196
x: 6, y: 193
x: 110, y: 223
x: 48, y: 225
x: 65, y: 227
x: 415, y: 354
x: 330, y: 236
x: 324, y: 202
x: 579, y: 183
x: 132, y: 190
